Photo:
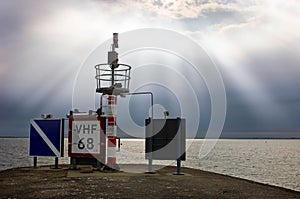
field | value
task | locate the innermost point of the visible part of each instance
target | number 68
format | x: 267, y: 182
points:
x: 90, y: 144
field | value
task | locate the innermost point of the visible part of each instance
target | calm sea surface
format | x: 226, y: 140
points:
x: 275, y: 162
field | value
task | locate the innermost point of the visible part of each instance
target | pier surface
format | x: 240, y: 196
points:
x: 44, y: 182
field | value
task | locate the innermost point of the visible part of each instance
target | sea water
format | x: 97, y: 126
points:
x: 275, y: 162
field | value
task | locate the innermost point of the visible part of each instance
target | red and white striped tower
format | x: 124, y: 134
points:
x: 111, y: 131
x: 112, y: 78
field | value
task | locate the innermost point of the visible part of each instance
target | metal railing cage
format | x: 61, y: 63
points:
x: 112, y: 82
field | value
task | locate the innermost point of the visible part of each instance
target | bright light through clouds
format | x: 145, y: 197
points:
x: 83, y: 26
x: 255, y: 44
x: 271, y: 28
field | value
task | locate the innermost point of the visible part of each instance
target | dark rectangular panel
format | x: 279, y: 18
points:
x: 165, y: 138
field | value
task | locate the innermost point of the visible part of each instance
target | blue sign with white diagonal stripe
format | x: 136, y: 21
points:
x: 46, y: 137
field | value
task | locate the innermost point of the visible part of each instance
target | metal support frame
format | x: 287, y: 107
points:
x: 178, y: 168
x: 150, y: 169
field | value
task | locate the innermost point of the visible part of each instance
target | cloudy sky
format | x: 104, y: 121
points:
x: 255, y: 45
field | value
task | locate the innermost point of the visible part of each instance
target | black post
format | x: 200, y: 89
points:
x: 73, y: 162
x: 56, y: 163
x: 178, y: 136
x: 34, y: 162
x: 178, y: 167
x: 119, y: 144
x: 62, y: 137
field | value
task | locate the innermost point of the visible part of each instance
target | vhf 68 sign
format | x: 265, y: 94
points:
x: 86, y: 137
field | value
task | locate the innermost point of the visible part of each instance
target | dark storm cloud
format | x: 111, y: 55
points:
x: 26, y: 68
x: 277, y: 72
x: 17, y: 16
